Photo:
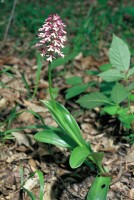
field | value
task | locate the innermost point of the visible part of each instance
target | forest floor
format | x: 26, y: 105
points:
x: 19, y: 150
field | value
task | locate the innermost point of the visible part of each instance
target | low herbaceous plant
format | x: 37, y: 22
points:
x: 51, y: 40
x: 115, y: 96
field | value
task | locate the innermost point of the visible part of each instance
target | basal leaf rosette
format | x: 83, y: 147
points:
x: 65, y: 120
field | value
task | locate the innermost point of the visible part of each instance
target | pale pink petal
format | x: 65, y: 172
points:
x: 50, y: 58
x: 51, y: 37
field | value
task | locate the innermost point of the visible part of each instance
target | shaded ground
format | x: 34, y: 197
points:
x: 17, y: 82
x: 61, y: 182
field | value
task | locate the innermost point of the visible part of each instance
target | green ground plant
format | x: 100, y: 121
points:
x: 4, y: 135
x: 86, y: 27
x: 24, y: 183
x: 116, y: 90
x: 87, y: 30
x: 51, y: 38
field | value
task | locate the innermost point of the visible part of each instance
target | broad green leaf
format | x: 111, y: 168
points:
x: 119, y: 93
x: 131, y: 97
x: 56, y: 138
x: 102, y: 2
x: 74, y: 80
x: 99, y: 188
x: 111, y: 75
x: 106, y: 87
x: 91, y: 72
x: 78, y: 156
x: 127, y: 120
x: 124, y: 117
x: 130, y: 72
x: 128, y: 10
x: 130, y: 86
x: 122, y: 111
x: 65, y: 120
x: 75, y: 90
x: 111, y: 110
x: 119, y: 54
x: 93, y: 100
x: 105, y: 67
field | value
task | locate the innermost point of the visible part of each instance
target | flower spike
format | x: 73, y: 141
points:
x: 51, y: 37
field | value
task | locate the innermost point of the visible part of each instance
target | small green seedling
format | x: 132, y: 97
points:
x: 25, y: 183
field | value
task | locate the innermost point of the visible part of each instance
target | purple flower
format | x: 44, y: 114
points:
x: 51, y: 37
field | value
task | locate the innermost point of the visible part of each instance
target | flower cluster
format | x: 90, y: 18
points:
x: 51, y: 37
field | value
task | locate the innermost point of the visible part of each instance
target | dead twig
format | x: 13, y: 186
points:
x: 118, y: 176
x: 9, y: 21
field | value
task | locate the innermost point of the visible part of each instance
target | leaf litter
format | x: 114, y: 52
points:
x: 61, y: 182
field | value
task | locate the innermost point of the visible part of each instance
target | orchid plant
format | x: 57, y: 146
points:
x: 51, y: 39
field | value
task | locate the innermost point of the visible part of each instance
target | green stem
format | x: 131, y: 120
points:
x: 129, y: 101
x: 50, y: 84
x: 99, y: 165
x: 101, y: 168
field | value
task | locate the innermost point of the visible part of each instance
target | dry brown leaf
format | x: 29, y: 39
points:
x: 8, y: 94
x: 50, y: 122
x: 5, y: 79
x: 23, y: 139
x: 31, y: 182
x: 118, y: 186
x: 130, y: 156
x: 43, y: 84
x: 11, y: 60
x: 34, y: 107
x: 32, y: 164
x: 26, y: 117
x: 87, y: 62
x: 48, y: 194
x: 107, y: 145
x: 3, y: 104
x: 17, y: 157
x: 86, y: 127
x: 131, y: 193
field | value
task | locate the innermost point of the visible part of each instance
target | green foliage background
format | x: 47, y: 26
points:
x: 89, y: 23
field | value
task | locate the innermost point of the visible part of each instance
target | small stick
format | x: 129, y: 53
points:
x: 118, y: 176
x: 9, y: 21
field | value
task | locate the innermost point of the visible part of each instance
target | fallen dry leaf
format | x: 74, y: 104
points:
x: 31, y: 182
x: 131, y: 193
x: 24, y: 139
x: 32, y: 164
x: 17, y: 157
x: 130, y: 156
x: 48, y: 194
x: 34, y: 107
x: 3, y: 104
x: 26, y: 117
x: 9, y: 95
